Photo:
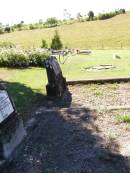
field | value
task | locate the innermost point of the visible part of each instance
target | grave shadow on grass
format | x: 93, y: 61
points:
x: 25, y: 99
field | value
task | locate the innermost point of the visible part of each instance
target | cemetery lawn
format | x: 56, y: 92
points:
x: 27, y: 86
x: 75, y: 66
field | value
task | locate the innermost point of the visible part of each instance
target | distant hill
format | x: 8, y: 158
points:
x: 110, y: 33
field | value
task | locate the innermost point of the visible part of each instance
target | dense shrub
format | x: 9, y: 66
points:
x: 17, y: 58
x: 32, y: 26
x: 51, y: 22
x: 122, y: 11
x: 13, y: 58
x: 7, y: 29
x: 104, y: 16
x: 36, y: 58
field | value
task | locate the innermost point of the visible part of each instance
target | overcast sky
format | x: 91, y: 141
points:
x: 14, y: 11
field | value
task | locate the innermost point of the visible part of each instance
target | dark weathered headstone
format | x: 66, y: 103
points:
x: 11, y: 127
x: 56, y: 82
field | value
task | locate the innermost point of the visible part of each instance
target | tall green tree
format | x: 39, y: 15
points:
x: 56, y: 42
x: 91, y: 15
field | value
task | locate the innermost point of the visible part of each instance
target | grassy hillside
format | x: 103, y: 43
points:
x: 111, y: 33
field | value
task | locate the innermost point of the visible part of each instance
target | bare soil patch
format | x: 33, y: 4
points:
x: 94, y: 95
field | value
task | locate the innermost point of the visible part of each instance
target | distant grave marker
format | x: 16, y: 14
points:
x: 56, y: 82
x: 99, y: 67
x: 84, y: 51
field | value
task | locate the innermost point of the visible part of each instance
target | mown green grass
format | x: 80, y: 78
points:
x: 74, y: 66
x: 108, y: 34
x: 27, y: 86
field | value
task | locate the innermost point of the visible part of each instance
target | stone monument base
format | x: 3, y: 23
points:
x: 12, y: 133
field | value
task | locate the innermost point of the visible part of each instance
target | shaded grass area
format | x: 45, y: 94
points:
x: 27, y: 88
x: 26, y: 100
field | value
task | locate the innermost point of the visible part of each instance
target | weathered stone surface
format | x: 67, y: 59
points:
x: 56, y: 82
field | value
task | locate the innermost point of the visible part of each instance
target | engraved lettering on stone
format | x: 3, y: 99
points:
x: 6, y: 107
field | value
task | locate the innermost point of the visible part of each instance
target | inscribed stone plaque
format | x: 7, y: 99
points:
x: 6, y: 107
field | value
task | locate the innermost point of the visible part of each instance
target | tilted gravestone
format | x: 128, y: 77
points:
x: 56, y: 82
x: 11, y: 127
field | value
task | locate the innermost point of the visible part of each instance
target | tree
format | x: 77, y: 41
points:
x: 56, y: 42
x: 7, y: 29
x: 52, y: 21
x: 22, y: 22
x: 79, y: 16
x: 20, y: 25
x: 122, y: 11
x: 44, y: 44
x: 91, y: 15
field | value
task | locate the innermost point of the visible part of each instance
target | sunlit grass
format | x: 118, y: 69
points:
x: 74, y: 68
x: 123, y: 118
x: 108, y: 34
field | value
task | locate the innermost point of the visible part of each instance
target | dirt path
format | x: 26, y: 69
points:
x: 72, y: 140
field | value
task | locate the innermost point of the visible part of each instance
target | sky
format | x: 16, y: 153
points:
x: 29, y: 11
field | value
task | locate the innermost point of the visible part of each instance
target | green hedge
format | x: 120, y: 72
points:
x: 18, y: 58
x: 105, y: 16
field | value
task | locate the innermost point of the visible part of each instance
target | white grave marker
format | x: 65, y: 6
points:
x: 6, y: 107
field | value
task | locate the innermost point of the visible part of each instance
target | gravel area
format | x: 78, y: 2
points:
x: 101, y: 95
x: 69, y: 137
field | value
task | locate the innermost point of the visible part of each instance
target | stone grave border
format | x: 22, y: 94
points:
x: 99, y: 81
